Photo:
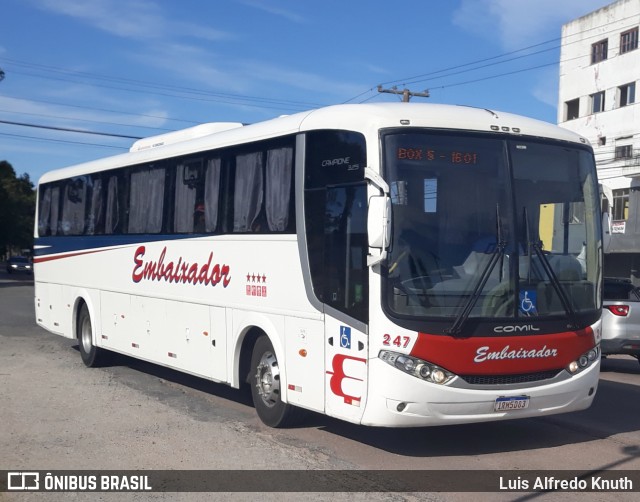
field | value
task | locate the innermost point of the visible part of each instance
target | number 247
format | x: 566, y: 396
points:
x: 397, y: 341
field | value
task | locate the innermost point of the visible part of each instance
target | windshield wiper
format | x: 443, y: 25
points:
x: 537, y: 248
x: 498, y: 253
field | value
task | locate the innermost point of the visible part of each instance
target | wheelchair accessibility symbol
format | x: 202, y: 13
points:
x: 345, y: 337
x: 529, y: 302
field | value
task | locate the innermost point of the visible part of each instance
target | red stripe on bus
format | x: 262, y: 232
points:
x: 42, y: 259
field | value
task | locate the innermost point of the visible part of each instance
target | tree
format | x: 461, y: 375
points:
x: 17, y: 206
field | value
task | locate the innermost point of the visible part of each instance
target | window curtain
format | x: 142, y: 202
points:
x: 248, y: 194
x: 55, y: 210
x: 44, y: 213
x: 146, y: 201
x: 112, y: 216
x: 73, y: 207
x: 95, y: 210
x: 211, y: 195
x: 278, y: 193
x: 185, y: 203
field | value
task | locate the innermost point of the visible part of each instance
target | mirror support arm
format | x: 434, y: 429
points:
x: 377, y: 181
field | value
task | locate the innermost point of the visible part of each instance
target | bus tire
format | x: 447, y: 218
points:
x: 266, y: 386
x: 92, y: 356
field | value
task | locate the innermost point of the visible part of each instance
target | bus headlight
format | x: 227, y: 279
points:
x: 584, y: 361
x: 416, y: 367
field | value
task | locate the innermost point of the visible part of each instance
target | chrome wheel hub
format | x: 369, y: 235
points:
x: 267, y: 379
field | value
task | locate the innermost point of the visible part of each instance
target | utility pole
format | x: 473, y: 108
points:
x: 406, y: 93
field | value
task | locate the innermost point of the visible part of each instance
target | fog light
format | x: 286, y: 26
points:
x: 401, y: 407
x: 573, y: 366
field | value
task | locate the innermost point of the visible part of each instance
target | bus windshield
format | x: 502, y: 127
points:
x: 489, y: 226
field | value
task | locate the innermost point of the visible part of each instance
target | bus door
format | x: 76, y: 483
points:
x: 346, y: 300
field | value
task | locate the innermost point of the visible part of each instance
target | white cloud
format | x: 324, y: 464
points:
x: 276, y: 11
x: 545, y: 87
x: 519, y: 23
x: 300, y: 80
x: 136, y: 19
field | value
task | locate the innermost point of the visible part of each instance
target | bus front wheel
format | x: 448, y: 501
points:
x: 266, y: 386
x: 92, y: 356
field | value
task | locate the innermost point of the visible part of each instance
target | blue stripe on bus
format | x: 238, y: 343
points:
x: 70, y: 244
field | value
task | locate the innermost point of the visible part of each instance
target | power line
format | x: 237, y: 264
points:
x: 120, y: 112
x: 77, y: 119
x: 420, y: 78
x: 490, y: 77
x: 182, y: 92
x: 52, y: 140
x: 67, y: 129
x: 410, y: 80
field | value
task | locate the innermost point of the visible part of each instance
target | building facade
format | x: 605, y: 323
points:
x: 599, y: 98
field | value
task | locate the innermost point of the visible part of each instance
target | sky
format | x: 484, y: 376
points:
x: 123, y: 69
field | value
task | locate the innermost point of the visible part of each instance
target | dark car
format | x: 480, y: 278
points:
x: 621, y: 318
x: 19, y: 264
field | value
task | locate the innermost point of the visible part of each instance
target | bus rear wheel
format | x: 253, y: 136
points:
x: 266, y: 387
x: 92, y: 356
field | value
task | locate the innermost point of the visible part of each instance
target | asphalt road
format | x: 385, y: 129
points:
x: 55, y: 414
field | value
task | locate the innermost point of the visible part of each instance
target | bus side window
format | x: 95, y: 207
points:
x: 48, y: 210
x: 112, y: 209
x: 188, y: 180
x: 278, y: 193
x: 95, y: 214
x: 211, y: 194
x: 248, y: 193
x: 197, y: 196
x: 74, y: 202
x: 146, y: 200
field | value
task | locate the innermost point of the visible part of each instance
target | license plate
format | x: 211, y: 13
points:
x: 511, y: 403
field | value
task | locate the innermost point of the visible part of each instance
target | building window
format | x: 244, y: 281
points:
x: 597, y: 102
x: 621, y: 204
x: 629, y: 41
x: 599, y: 51
x: 627, y: 94
x: 623, y: 152
x: 572, y: 109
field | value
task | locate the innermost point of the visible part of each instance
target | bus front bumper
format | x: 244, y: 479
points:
x: 396, y: 399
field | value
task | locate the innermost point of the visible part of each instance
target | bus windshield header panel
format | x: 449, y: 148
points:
x: 490, y: 227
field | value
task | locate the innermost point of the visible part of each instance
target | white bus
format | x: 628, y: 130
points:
x: 386, y: 264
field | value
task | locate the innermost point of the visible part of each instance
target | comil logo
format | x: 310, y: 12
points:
x: 512, y: 328
x: 23, y: 481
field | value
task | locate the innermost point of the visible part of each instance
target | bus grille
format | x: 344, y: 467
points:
x: 509, y: 379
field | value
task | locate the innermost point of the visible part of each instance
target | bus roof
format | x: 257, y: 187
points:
x: 358, y: 117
